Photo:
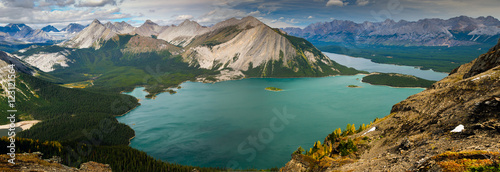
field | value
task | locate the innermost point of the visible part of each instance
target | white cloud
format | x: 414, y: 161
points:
x: 293, y: 21
x: 176, y: 19
x: 275, y: 23
x: 19, y: 3
x: 270, y: 7
x: 281, y: 18
x: 184, y: 17
x: 231, y: 3
x: 254, y: 13
x: 310, y: 17
x: 335, y: 2
x: 95, y: 3
x: 362, y: 2
x: 166, y: 11
x: 34, y: 16
x: 61, y: 3
x: 221, y: 14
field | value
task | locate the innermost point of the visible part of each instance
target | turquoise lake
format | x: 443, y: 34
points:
x: 369, y: 66
x: 238, y: 124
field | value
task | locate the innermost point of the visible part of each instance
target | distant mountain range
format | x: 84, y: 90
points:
x: 21, y: 33
x: 458, y: 31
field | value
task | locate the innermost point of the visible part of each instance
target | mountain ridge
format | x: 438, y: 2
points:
x: 50, y: 28
x: 457, y: 31
x: 245, y: 46
x: 24, y: 34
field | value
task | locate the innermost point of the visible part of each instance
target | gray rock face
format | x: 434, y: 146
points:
x: 456, y: 31
x: 149, y: 28
x: 50, y: 28
x: 21, y: 33
x: 6, y: 59
x: 91, y: 36
x: 485, y: 62
x: 245, y: 44
x: 297, y: 164
x: 73, y: 28
x: 120, y: 27
x: 234, y: 44
x: 183, y: 33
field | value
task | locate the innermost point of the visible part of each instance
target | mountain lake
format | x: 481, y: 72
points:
x: 239, y: 124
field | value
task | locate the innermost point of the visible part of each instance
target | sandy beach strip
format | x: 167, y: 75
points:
x: 23, y: 124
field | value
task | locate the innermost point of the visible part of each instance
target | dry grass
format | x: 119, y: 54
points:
x: 466, y: 160
x: 24, y: 160
x: 83, y: 84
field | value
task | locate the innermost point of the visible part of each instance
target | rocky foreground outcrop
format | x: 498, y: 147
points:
x: 33, y: 162
x: 417, y: 135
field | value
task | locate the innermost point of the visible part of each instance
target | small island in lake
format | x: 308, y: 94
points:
x: 397, y: 80
x: 274, y: 89
x: 353, y: 86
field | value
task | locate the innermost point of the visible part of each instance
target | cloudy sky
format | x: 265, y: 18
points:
x: 276, y: 13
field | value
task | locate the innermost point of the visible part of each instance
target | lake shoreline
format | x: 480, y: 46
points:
x: 365, y: 64
x: 416, y: 67
x: 391, y: 86
x: 238, y: 79
x: 165, y: 123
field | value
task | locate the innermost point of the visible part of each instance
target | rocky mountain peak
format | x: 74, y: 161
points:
x: 243, y: 23
x: 258, y: 47
x: 485, y: 62
x: 149, y: 22
x: 252, y: 21
x: 50, y: 28
x: 122, y: 23
x: 389, y: 21
x: 225, y: 23
x: 73, y: 27
x: 188, y: 23
x: 95, y: 22
x: 18, y: 26
x: 91, y: 36
x: 149, y: 28
x: 250, y: 18
x: 120, y: 27
x: 183, y: 33
x: 14, y: 29
x: 108, y: 24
